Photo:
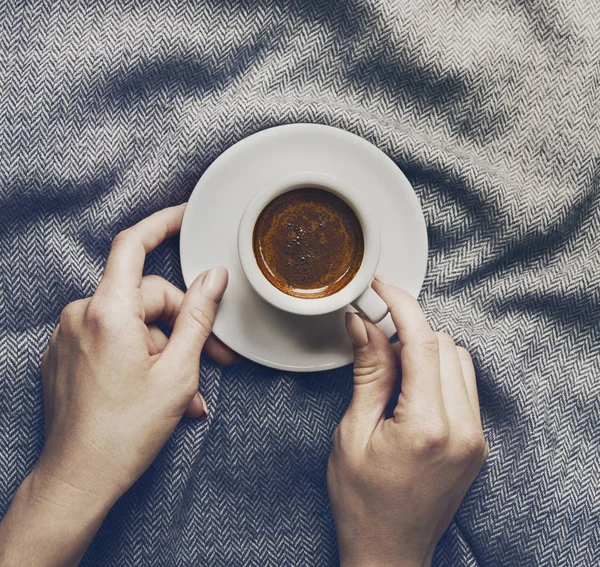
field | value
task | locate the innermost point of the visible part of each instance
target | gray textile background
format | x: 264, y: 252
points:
x: 112, y: 110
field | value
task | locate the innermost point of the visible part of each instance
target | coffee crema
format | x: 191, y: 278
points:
x: 308, y: 243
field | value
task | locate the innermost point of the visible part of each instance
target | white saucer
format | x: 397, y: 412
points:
x: 245, y: 322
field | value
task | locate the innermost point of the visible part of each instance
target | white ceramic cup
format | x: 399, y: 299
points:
x: 357, y: 293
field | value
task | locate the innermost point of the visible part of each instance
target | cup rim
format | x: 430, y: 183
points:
x: 309, y: 306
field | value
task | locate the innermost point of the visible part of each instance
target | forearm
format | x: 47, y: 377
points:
x: 49, y: 523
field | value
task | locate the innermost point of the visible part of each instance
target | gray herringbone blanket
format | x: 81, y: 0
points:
x: 112, y: 110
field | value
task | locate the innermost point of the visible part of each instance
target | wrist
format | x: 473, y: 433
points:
x: 78, y: 477
x: 49, y: 522
x: 45, y: 488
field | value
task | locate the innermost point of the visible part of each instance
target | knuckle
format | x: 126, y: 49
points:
x: 153, y: 278
x: 66, y: 315
x: 367, y: 374
x: 70, y: 314
x: 428, y: 339
x: 200, y: 320
x: 400, y: 299
x: 98, y: 315
x: 444, y: 338
x: 472, y: 446
x: 122, y: 237
x: 426, y: 342
x: 433, y: 439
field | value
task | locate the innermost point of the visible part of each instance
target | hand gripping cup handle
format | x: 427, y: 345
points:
x: 371, y: 305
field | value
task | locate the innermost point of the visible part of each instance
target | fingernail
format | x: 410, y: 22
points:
x: 215, y: 283
x: 357, y: 330
x: 383, y: 280
x: 204, y: 414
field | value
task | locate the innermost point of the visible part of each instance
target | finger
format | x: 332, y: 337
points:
x: 197, y: 408
x: 419, y: 348
x: 468, y: 371
x: 454, y: 390
x: 123, y: 271
x: 220, y: 352
x: 194, y: 323
x: 158, y: 340
x: 162, y: 302
x: 375, y: 373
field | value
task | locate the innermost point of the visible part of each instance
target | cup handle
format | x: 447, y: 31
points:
x: 371, y: 305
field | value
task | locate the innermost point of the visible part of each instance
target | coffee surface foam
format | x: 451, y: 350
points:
x: 308, y: 243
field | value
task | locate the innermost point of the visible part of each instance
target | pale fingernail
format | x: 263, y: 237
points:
x: 382, y: 280
x: 204, y: 414
x: 215, y: 283
x: 357, y: 330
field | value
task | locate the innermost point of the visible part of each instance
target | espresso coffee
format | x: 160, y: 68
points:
x: 308, y: 243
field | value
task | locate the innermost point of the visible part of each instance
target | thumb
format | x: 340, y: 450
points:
x: 195, y: 320
x: 375, y: 372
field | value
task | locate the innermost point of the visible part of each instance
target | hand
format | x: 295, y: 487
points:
x: 114, y: 389
x: 395, y: 484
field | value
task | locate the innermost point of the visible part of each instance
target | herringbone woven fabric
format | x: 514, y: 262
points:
x: 112, y: 110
